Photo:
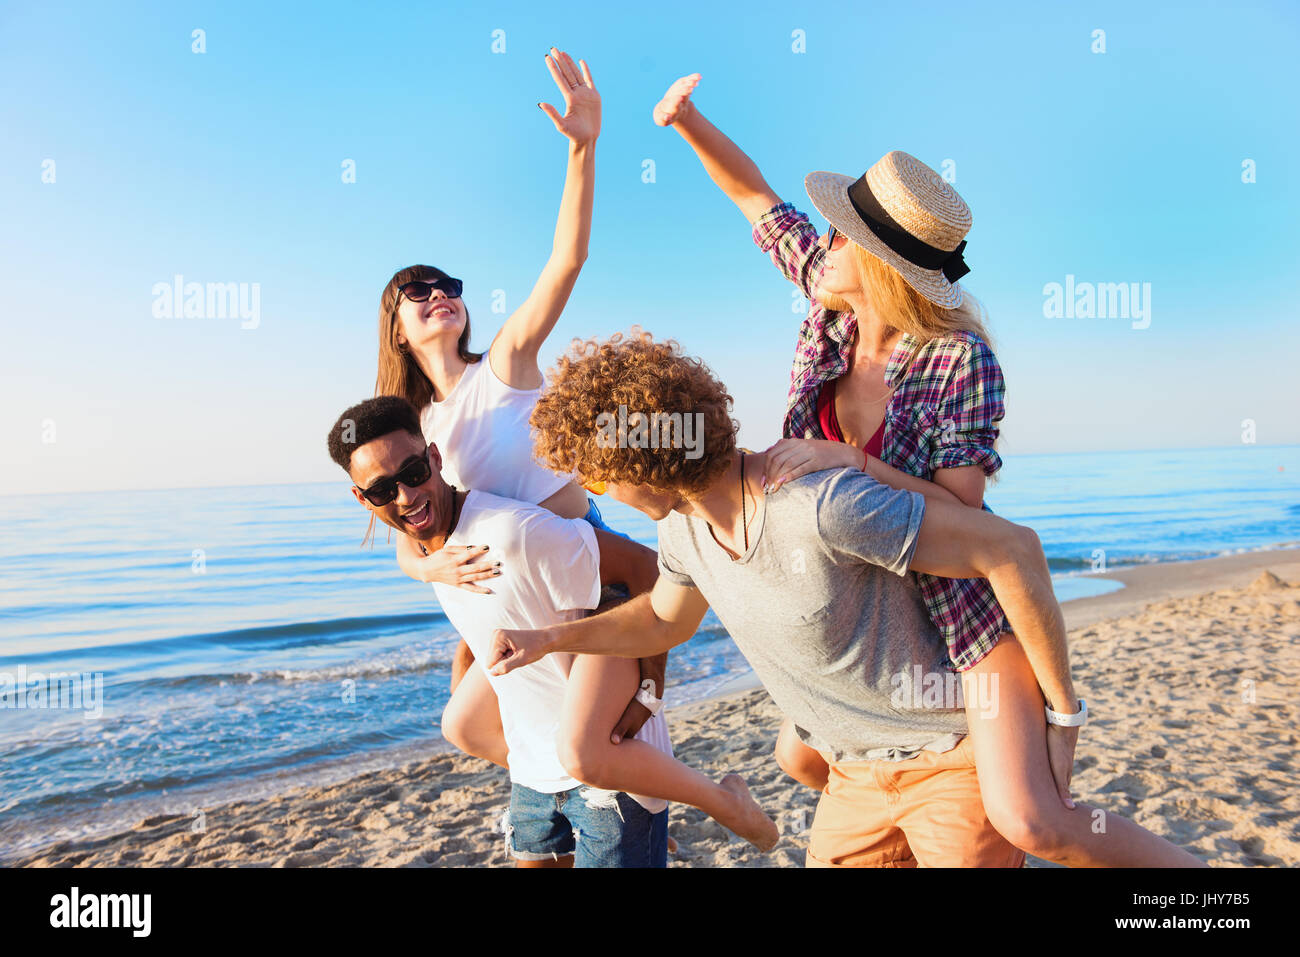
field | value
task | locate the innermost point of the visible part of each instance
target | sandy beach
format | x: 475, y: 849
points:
x: 1190, y: 673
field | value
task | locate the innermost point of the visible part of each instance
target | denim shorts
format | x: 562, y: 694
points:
x: 599, y: 828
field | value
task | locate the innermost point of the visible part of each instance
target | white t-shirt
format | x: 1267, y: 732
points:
x: 481, y: 428
x: 550, y: 573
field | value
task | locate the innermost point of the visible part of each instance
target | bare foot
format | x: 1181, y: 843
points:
x: 748, y: 820
x: 677, y: 101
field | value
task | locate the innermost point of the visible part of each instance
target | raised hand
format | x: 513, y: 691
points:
x: 581, y: 119
x: 677, y: 101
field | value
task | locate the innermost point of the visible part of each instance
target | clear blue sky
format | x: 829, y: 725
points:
x: 225, y: 167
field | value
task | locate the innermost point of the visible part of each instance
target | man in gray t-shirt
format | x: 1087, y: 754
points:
x: 837, y: 644
x: 813, y: 582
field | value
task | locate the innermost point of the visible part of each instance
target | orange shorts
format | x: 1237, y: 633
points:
x: 923, y: 812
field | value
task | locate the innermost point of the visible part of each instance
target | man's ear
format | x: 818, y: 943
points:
x: 356, y: 493
x: 435, y: 458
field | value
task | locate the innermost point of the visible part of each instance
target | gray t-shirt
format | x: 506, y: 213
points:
x: 824, y: 608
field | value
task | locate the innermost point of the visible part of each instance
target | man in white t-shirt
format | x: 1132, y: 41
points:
x: 557, y: 567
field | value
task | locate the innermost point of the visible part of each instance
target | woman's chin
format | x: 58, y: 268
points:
x: 436, y: 331
x: 830, y: 300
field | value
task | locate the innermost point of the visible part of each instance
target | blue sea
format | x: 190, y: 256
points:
x: 246, y: 642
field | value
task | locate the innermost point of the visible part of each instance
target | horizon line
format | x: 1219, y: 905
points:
x: 250, y: 485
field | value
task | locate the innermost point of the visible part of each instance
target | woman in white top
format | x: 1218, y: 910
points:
x: 474, y: 407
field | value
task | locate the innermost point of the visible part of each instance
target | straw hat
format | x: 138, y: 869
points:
x: 904, y: 213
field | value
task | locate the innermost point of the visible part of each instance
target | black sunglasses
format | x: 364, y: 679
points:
x: 419, y: 290
x: 414, y: 472
x: 831, y: 234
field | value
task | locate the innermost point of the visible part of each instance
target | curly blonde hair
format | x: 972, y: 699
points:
x: 597, y: 383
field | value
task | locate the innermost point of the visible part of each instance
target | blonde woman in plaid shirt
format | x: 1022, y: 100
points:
x: 894, y: 360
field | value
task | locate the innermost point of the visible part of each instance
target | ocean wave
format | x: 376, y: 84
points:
x: 405, y: 662
x: 42, y: 611
x: 1066, y: 564
x: 286, y: 635
x: 332, y: 628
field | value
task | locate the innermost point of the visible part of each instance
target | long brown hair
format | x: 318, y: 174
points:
x: 399, y: 373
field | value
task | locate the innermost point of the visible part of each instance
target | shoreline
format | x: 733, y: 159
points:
x: 1143, y: 584
x: 700, y: 732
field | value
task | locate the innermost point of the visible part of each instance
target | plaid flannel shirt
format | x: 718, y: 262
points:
x: 944, y: 413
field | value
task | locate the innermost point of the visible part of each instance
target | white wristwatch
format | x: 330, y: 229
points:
x: 646, y: 695
x: 1075, y: 720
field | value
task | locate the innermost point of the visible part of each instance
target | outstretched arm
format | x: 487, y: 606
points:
x: 647, y: 625
x: 779, y: 229
x: 514, y: 351
x: 960, y: 542
x: 725, y: 162
x: 956, y: 541
x: 625, y: 562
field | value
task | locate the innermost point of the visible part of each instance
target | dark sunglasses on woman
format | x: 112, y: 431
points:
x: 412, y: 473
x: 419, y: 290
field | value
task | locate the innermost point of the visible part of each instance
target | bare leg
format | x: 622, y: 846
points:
x: 472, y: 719
x: 461, y: 662
x: 1008, y: 730
x: 599, y: 689
x: 565, y: 861
x: 799, y: 761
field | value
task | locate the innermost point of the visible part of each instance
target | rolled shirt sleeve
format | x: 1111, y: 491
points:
x: 859, y: 518
x: 969, y: 411
x: 790, y: 240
